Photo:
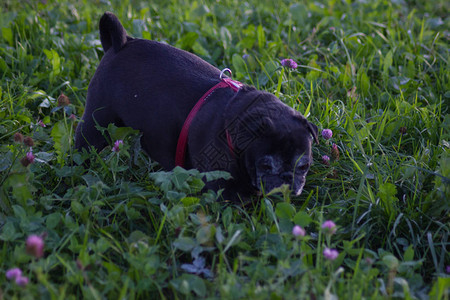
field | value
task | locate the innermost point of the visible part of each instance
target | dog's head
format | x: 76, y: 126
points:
x: 272, y: 141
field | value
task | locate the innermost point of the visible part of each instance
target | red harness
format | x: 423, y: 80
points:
x: 182, y: 139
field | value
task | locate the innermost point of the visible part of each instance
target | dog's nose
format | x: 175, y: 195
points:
x: 287, y: 177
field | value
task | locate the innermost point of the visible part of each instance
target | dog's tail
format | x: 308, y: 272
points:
x: 112, y: 32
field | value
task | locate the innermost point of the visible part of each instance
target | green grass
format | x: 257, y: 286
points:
x: 375, y: 72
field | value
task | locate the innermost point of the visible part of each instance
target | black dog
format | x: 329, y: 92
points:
x: 153, y: 87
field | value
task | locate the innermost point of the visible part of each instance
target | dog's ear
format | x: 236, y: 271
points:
x: 313, y: 130
x: 112, y: 33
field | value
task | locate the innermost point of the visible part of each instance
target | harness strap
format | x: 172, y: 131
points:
x: 182, y: 139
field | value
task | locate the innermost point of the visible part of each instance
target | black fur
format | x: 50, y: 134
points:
x: 112, y: 32
x: 152, y: 87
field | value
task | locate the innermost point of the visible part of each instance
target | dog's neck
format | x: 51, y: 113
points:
x: 183, y: 138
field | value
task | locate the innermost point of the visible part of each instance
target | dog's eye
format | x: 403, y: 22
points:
x: 303, y: 168
x: 265, y: 166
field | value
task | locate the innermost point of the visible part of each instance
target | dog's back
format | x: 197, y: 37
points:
x: 147, y: 85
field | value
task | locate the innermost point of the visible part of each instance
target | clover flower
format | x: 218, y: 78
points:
x: 335, y: 152
x: 298, y: 231
x: 289, y: 63
x: 22, y: 281
x: 13, y: 273
x: 16, y: 275
x: 329, y: 227
x: 28, y: 159
x: 325, y: 159
x: 72, y: 117
x: 35, y: 246
x: 117, y: 144
x: 330, y: 254
x: 63, y: 100
x: 28, y: 141
x: 327, y: 134
x: 18, y: 137
x: 40, y: 123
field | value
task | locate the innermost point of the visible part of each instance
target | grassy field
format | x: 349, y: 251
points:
x: 374, y: 72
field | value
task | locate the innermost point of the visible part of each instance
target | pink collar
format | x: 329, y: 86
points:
x: 182, y: 139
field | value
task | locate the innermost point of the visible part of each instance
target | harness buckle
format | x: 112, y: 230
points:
x: 222, y: 73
